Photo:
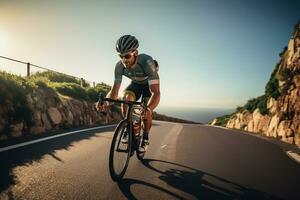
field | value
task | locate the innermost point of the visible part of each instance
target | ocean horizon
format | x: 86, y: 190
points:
x: 202, y: 115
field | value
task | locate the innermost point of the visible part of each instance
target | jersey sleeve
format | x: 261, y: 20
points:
x: 150, y: 70
x: 118, y: 73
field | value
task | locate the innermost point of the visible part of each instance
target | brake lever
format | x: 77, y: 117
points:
x: 101, y: 99
x: 101, y: 102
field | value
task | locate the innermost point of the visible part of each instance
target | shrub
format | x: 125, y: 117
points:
x: 13, y: 90
x: 56, y: 77
x: 239, y: 108
x: 272, y: 87
x: 251, y: 105
x: 287, y: 76
x: 38, y: 82
x: 262, y: 105
x: 93, y: 93
x: 283, y: 51
x: 222, y: 121
x: 259, y: 102
x: 70, y: 89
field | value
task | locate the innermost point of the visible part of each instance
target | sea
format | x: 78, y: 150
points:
x: 202, y: 115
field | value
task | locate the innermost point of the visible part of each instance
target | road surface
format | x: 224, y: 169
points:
x: 183, y: 161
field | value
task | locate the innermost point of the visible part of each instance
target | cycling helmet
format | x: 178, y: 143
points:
x: 126, y: 43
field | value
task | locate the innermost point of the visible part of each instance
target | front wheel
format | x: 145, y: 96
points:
x: 119, y: 154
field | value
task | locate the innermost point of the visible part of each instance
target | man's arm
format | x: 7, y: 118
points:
x: 113, y: 93
x: 155, y: 97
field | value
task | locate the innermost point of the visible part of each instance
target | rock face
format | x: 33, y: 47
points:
x: 50, y: 111
x: 283, y: 118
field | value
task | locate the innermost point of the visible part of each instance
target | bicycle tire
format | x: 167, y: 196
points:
x: 118, y: 133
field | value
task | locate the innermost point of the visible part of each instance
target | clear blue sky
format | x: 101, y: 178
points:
x: 211, y: 53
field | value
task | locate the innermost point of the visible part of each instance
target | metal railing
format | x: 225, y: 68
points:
x: 29, y: 66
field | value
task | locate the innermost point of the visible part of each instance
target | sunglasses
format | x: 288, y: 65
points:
x: 126, y: 56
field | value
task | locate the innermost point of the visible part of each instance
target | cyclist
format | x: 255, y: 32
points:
x: 142, y: 70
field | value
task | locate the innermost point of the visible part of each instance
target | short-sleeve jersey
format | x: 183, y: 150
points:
x: 144, y: 72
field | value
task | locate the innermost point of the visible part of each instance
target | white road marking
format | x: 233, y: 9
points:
x: 294, y: 156
x: 163, y: 146
x: 51, y: 137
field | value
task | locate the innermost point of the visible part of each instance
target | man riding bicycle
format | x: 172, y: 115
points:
x: 142, y: 71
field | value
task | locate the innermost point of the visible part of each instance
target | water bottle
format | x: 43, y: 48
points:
x: 137, y: 126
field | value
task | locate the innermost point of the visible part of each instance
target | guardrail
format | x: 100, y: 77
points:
x: 29, y: 66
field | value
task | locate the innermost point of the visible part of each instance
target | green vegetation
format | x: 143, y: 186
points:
x: 13, y: 91
x: 70, y: 89
x: 259, y: 102
x: 287, y: 76
x: 272, y: 87
x: 67, y: 85
x: 271, y: 90
x: 56, y: 77
x: 281, y: 54
x: 222, y: 121
x: 93, y: 93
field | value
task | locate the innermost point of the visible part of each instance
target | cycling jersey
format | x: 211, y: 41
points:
x: 144, y: 71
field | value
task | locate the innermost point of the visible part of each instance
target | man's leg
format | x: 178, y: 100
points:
x: 124, y: 107
x: 127, y: 96
x: 147, y: 121
x: 146, y: 124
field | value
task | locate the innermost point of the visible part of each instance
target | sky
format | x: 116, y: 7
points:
x: 212, y: 53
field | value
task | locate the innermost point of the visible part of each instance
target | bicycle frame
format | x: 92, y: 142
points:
x: 128, y: 117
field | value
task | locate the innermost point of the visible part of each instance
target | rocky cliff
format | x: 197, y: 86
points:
x: 277, y: 112
x: 49, y: 111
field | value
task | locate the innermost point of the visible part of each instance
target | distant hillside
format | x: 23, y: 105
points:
x: 163, y: 117
x: 277, y: 112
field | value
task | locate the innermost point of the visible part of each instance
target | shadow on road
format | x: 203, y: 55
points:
x: 199, y: 184
x: 126, y: 184
x: 35, y: 152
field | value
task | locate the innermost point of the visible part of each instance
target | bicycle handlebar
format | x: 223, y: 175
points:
x: 102, y: 99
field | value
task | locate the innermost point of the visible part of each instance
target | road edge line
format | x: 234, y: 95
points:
x: 51, y: 137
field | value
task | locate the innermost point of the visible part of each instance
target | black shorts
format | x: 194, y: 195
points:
x: 138, y: 90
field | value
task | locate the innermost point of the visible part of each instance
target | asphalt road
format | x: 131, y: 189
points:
x: 182, y: 162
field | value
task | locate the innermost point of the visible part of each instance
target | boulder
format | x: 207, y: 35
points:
x: 37, y: 130
x: 37, y: 117
x: 70, y: 117
x: 250, y: 126
x: 16, y: 130
x: 272, y: 105
x: 264, y: 124
x: 284, y: 129
x: 54, y: 115
x: 288, y: 140
x: 46, y: 122
x: 272, y: 129
x: 214, y: 121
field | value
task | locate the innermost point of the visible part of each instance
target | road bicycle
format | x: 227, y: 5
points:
x: 121, y: 152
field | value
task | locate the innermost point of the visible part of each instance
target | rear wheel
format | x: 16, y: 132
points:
x: 120, y: 152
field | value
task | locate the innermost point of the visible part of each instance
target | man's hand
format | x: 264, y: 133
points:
x: 103, y: 108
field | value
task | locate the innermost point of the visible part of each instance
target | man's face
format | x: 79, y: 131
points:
x: 128, y: 59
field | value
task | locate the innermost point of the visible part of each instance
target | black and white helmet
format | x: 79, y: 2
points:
x: 126, y: 43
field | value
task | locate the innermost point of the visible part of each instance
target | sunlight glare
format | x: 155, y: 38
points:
x: 3, y: 40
